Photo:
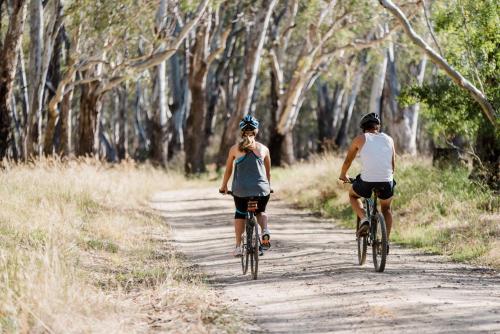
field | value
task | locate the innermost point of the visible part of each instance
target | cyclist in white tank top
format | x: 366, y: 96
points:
x: 377, y: 154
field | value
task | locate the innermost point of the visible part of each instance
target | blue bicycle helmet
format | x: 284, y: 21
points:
x: 249, y: 123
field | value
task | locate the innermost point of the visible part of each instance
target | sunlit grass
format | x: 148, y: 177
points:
x: 440, y: 211
x: 81, y: 252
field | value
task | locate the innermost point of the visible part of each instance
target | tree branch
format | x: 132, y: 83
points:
x: 475, y: 93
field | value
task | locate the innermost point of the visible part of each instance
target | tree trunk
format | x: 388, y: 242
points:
x: 42, y: 44
x: 341, y: 139
x: 9, y: 57
x: 195, y: 140
x: 180, y: 95
x: 403, y: 123
x: 378, y: 86
x: 53, y: 79
x: 122, y: 133
x: 328, y: 114
x: 90, y: 105
x: 161, y: 114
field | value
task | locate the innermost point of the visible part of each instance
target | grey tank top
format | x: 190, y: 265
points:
x: 250, y: 177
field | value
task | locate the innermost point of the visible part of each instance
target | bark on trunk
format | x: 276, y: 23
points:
x: 122, y: 133
x: 161, y: 114
x: 43, y: 37
x: 328, y: 114
x: 403, y: 122
x: 90, y: 105
x: 341, y: 139
x: 9, y: 57
x: 53, y: 78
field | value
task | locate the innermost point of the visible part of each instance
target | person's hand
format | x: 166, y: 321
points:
x: 344, y: 178
x: 223, y: 189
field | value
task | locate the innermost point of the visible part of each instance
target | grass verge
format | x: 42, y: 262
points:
x: 81, y: 252
x: 440, y: 211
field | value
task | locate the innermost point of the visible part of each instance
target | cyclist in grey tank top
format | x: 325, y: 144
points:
x: 252, y: 175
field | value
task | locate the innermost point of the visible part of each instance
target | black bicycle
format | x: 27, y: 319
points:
x: 377, y: 234
x: 251, y: 241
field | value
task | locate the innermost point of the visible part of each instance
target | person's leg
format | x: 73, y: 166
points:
x: 385, y: 207
x: 262, y: 220
x: 356, y: 204
x: 239, y: 228
x: 239, y: 222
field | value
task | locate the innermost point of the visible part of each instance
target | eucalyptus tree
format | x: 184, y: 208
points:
x: 107, y: 60
x: 322, y: 33
x: 9, y: 54
x: 209, y: 44
x: 255, y: 34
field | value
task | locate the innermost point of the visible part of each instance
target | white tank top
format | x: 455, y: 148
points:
x: 376, y: 158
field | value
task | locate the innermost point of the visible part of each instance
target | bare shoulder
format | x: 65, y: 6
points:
x: 263, y: 150
x: 359, y: 140
x: 233, y: 150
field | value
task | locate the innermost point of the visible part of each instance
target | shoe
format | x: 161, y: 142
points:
x: 237, y: 251
x: 266, y: 239
x: 261, y: 250
x: 363, y: 228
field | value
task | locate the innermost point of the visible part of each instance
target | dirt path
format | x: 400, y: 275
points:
x: 309, y: 281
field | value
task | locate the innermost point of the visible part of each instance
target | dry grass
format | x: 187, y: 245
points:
x: 80, y: 252
x: 440, y: 211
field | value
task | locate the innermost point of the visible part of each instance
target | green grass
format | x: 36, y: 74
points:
x: 439, y: 211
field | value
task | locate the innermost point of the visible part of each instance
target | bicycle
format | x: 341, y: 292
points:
x: 377, y: 234
x: 251, y: 240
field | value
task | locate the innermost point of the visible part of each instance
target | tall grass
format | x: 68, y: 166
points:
x: 440, y: 211
x: 81, y: 252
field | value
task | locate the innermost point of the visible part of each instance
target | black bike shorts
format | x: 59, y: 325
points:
x: 241, y: 204
x: 364, y: 189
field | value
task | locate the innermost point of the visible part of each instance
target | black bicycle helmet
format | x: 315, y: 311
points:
x: 249, y: 123
x: 369, y: 118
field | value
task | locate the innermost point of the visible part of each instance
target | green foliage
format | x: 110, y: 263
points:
x: 469, y: 37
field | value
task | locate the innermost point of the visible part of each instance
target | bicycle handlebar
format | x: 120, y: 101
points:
x: 229, y: 192
x: 351, y: 180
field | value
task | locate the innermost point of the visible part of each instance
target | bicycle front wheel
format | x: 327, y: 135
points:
x: 362, y: 245
x: 380, y: 242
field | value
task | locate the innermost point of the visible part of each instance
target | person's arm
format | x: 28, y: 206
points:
x: 228, y: 172
x: 267, y: 164
x: 393, y: 159
x: 351, y: 154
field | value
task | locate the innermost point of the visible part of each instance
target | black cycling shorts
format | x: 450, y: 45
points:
x: 241, y: 204
x: 364, y: 189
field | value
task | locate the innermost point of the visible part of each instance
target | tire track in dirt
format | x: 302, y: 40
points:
x: 309, y: 281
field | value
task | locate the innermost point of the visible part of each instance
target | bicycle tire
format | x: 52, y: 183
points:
x: 245, y: 255
x: 362, y: 245
x: 379, y: 245
x: 255, y: 252
x: 248, y: 247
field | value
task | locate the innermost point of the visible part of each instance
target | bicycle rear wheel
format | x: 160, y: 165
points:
x: 255, y: 251
x: 379, y: 245
x: 245, y: 255
x: 362, y: 245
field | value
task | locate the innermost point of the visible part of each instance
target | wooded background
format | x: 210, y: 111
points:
x: 168, y: 80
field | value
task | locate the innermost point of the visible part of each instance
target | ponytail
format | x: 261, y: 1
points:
x: 247, y: 142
